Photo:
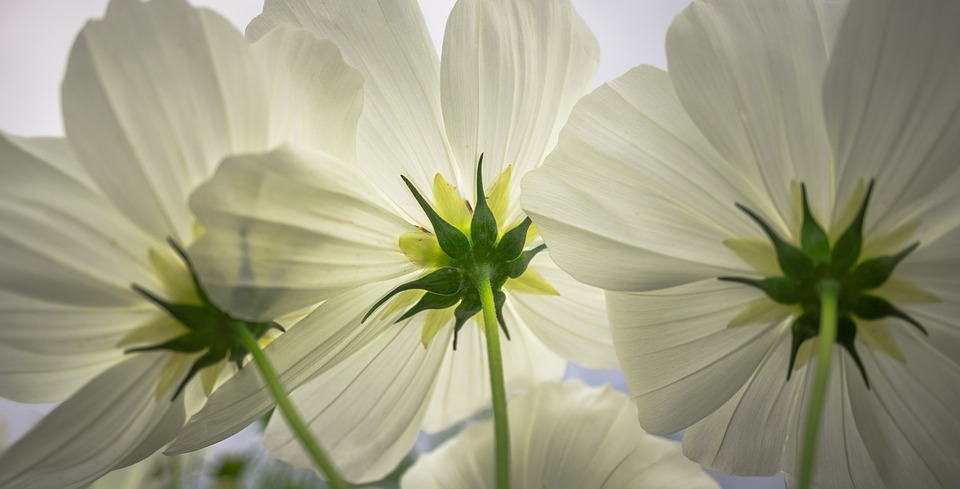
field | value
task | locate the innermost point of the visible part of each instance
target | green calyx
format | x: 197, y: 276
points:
x: 209, y: 328
x: 483, y: 255
x: 815, y: 262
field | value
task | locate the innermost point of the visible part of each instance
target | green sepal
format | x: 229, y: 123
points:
x: 783, y: 290
x: 846, y: 334
x: 188, y: 315
x: 442, y: 281
x: 187, y: 343
x: 793, y: 261
x: 469, y: 306
x: 430, y: 301
x: 452, y: 241
x: 209, y: 358
x: 848, y: 246
x: 871, y: 307
x: 516, y: 267
x: 872, y: 273
x: 190, y: 268
x: 499, y: 299
x: 803, y: 328
x: 511, y: 244
x: 813, y: 239
x: 483, y: 227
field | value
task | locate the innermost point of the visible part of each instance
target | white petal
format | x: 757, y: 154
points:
x: 891, y: 101
x: 114, y: 421
x: 154, y: 96
x: 562, y: 436
x: 634, y: 198
x: 463, y: 383
x: 680, y: 359
x: 290, y: 228
x: 317, y: 343
x: 366, y: 412
x: 574, y: 324
x: 68, y: 260
x: 908, y: 419
x: 750, y: 74
x: 401, y: 129
x: 316, y: 97
x: 510, y: 73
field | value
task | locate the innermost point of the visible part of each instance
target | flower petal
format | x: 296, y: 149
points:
x: 750, y: 74
x: 154, y: 96
x: 68, y: 260
x: 633, y: 177
x: 116, y: 420
x: 366, y: 411
x: 401, y: 129
x: 562, y: 436
x: 574, y: 324
x: 908, y: 419
x: 324, y: 338
x: 680, y: 359
x: 316, y: 97
x: 463, y: 383
x: 290, y: 228
x: 510, y: 73
x: 891, y: 101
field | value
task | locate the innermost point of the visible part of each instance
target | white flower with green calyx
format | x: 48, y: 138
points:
x: 211, y: 332
x: 563, y: 436
x: 479, y: 252
x: 155, y: 95
x: 804, y: 153
x: 310, y: 226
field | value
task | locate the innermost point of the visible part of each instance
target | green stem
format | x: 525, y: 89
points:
x: 829, y: 290
x: 320, y: 458
x: 492, y: 329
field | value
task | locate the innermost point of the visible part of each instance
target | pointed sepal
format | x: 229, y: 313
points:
x: 452, y: 240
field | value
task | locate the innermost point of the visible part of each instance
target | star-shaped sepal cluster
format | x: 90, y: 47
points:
x: 484, y: 255
x: 816, y: 261
x: 209, y: 329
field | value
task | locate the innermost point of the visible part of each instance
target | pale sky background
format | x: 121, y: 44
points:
x: 35, y: 38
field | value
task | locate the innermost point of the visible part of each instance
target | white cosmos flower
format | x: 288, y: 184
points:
x: 155, y: 94
x: 510, y: 72
x: 562, y: 436
x: 639, y: 198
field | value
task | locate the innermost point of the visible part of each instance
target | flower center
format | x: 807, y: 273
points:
x: 464, y: 251
x: 816, y: 261
x: 209, y: 329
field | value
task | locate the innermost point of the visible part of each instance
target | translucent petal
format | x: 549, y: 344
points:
x: 750, y: 74
x: 633, y: 177
x: 401, y: 129
x: 680, y: 359
x: 290, y: 228
x: 510, y: 73
x: 366, y: 411
x: 154, y: 96
x: 573, y: 324
x: 316, y: 97
x: 562, y: 436
x: 114, y: 421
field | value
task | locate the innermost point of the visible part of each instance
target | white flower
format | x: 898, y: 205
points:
x: 310, y: 226
x: 154, y: 96
x: 761, y: 97
x: 562, y: 436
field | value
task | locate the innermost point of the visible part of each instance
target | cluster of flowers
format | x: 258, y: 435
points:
x: 317, y: 186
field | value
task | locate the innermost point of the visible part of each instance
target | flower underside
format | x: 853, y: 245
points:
x: 468, y: 258
x: 209, y: 328
x: 815, y: 261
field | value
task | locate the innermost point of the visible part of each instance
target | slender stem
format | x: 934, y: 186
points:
x: 492, y: 329
x: 829, y: 291
x: 320, y: 458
